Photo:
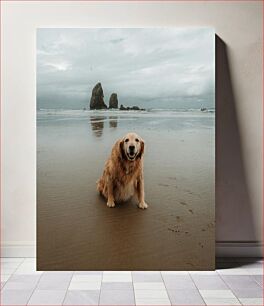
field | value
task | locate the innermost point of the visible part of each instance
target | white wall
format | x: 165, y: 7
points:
x: 239, y: 123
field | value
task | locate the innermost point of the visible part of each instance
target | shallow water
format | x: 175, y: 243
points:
x: 76, y: 231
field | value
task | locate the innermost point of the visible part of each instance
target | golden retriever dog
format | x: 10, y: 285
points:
x: 123, y: 172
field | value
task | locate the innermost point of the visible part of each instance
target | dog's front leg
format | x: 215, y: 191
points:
x: 110, y: 194
x: 141, y: 194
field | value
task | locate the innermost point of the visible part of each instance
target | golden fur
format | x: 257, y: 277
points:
x: 123, y: 176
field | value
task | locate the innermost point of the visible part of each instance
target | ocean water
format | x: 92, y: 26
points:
x: 103, y: 120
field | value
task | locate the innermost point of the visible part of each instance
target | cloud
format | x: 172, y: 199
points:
x: 60, y: 66
x: 172, y: 66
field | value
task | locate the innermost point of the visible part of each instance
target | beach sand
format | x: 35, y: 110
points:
x: 75, y: 228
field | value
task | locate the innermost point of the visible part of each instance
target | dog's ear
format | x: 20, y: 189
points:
x: 142, y: 148
x: 121, y: 149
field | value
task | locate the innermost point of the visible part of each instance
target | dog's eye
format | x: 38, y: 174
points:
x: 137, y: 140
x: 127, y: 140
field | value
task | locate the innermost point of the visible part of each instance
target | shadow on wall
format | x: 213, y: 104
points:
x: 234, y: 210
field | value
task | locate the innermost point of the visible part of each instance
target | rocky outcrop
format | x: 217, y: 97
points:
x: 97, y: 98
x: 122, y: 107
x: 113, y: 101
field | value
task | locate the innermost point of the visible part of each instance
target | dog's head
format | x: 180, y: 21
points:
x: 132, y: 147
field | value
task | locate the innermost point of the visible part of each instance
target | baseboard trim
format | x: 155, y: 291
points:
x: 223, y: 249
x: 239, y: 249
x: 21, y: 249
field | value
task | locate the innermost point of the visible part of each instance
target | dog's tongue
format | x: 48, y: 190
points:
x: 131, y: 156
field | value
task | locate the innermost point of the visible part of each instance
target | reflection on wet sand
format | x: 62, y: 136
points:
x: 113, y: 121
x: 97, y: 124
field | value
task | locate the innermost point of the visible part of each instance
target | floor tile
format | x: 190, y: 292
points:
x: 211, y: 273
x: 54, y: 281
x: 58, y: 272
x: 248, y: 293
x: 258, y: 279
x: 185, y: 297
x: 222, y: 301
x: 9, y: 269
x: 148, y: 272
x: 20, y: 285
x: 87, y: 297
x: 174, y: 273
x: 22, y: 282
x: 149, y: 286
x: 10, y: 265
x: 117, y: 272
x: 147, y: 302
x: 27, y: 268
x: 255, y: 271
x: 117, y: 286
x: 178, y: 282
x: 15, y: 297
x: 209, y: 282
x: 5, y: 277
x: 251, y: 301
x: 236, y: 282
x: 146, y: 277
x: 47, y: 297
x: 240, y: 282
x: 117, y: 297
x: 31, y: 260
x: 85, y: 286
x: 117, y: 277
x: 87, y: 278
x: 217, y: 294
x: 88, y: 273
x: 24, y: 278
x: 232, y: 271
x: 151, y: 294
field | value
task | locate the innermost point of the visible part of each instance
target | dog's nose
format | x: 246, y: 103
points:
x: 131, y: 148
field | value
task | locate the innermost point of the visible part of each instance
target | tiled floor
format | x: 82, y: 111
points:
x: 235, y: 282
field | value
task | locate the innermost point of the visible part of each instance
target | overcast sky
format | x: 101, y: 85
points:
x: 151, y: 68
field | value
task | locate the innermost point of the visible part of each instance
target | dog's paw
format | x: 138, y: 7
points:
x: 110, y: 204
x: 143, y: 205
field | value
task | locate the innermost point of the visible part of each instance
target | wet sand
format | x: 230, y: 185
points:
x: 75, y: 228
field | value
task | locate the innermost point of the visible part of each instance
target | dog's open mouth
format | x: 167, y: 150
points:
x: 131, y: 156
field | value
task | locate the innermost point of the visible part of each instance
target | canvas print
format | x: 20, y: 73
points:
x: 125, y: 149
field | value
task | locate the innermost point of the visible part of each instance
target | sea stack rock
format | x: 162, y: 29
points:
x: 113, y: 102
x: 97, y: 98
